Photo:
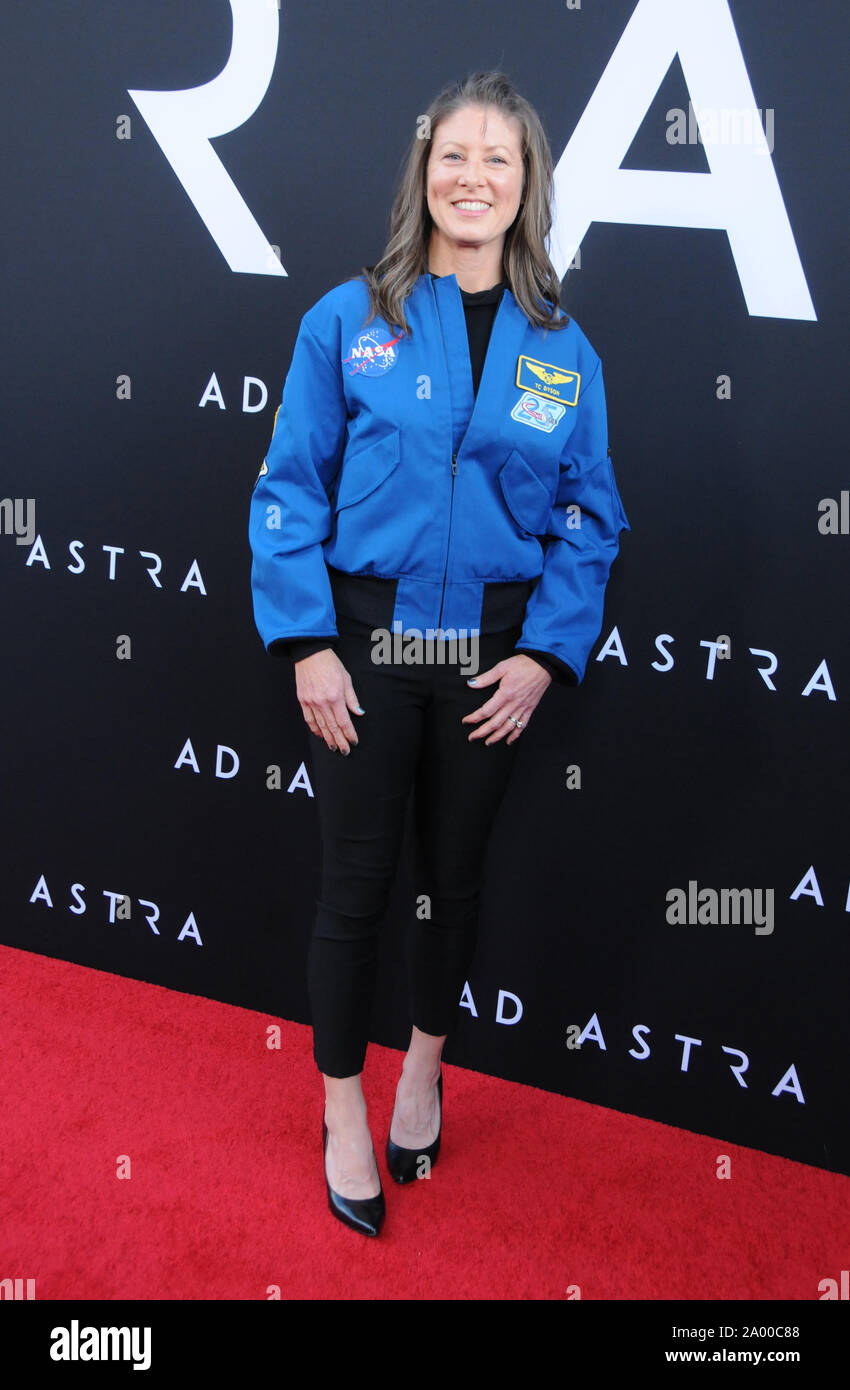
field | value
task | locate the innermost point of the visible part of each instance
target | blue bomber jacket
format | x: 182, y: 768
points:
x: 384, y: 462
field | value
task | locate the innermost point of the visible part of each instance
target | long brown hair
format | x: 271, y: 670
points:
x: 525, y: 262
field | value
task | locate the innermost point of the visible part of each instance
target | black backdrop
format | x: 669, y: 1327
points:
x: 120, y: 309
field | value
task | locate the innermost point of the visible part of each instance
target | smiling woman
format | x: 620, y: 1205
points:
x: 479, y: 143
x: 432, y: 439
x: 475, y: 182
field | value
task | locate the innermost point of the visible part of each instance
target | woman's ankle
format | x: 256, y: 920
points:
x: 345, y: 1104
x: 423, y: 1059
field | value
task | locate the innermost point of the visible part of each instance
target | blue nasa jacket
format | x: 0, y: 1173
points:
x: 383, y: 462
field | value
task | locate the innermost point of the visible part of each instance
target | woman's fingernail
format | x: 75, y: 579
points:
x: 471, y: 681
x: 360, y: 711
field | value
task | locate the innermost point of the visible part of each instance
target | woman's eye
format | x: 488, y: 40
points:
x: 453, y: 154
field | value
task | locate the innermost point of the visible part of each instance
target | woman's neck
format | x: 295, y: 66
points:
x: 475, y: 268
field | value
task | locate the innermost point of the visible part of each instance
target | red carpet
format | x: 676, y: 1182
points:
x: 227, y: 1198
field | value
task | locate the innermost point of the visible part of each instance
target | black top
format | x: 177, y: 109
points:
x: 504, y: 603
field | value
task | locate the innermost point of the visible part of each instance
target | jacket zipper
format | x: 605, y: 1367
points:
x: 449, y: 543
x: 454, y: 470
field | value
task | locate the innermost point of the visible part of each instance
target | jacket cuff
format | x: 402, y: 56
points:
x: 297, y: 648
x: 558, y: 670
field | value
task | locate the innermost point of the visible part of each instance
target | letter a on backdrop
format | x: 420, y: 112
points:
x: 740, y: 195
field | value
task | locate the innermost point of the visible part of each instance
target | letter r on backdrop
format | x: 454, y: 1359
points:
x: 184, y: 122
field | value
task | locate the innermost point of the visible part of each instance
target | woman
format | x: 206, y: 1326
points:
x: 439, y: 464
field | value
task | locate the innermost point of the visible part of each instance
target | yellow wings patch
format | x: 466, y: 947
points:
x: 551, y: 378
x: 548, y: 380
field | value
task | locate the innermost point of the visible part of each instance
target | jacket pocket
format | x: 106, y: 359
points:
x: 363, y: 472
x: 527, y: 498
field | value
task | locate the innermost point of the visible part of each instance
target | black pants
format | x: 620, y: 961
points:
x: 410, y: 735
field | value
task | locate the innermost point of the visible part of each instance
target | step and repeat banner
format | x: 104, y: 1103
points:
x: 665, y: 925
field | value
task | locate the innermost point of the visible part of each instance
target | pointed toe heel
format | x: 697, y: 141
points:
x: 366, y: 1214
x: 405, y: 1165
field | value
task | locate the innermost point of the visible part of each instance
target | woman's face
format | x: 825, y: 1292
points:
x: 474, y: 176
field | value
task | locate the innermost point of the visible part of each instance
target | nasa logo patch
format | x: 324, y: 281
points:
x: 541, y: 414
x: 373, y: 352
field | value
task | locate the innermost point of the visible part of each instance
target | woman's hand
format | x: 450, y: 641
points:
x: 326, y: 694
x: 522, y: 681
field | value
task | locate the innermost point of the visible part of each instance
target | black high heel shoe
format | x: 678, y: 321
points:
x: 365, y: 1214
x: 404, y: 1164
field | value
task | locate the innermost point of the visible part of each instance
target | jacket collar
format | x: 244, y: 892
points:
x: 470, y: 413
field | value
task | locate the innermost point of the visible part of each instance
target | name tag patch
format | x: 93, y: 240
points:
x: 541, y: 414
x: 548, y: 380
